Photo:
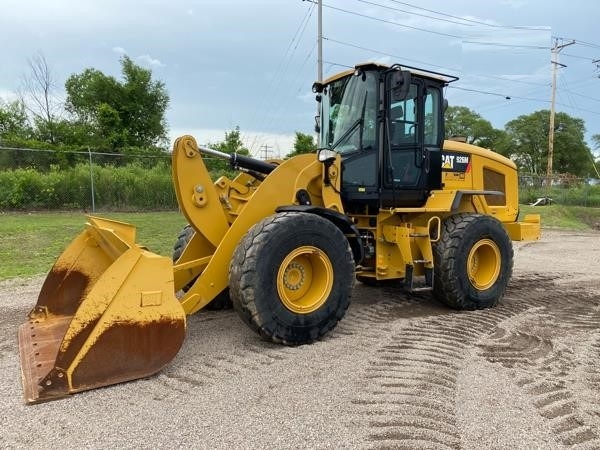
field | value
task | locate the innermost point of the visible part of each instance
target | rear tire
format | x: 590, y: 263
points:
x: 291, y: 277
x: 185, y: 236
x: 473, y: 262
x: 221, y: 301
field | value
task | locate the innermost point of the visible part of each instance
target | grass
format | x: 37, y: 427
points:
x: 566, y: 217
x: 31, y: 242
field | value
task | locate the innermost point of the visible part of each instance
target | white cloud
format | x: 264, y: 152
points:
x: 245, y: 46
x: 147, y: 59
x: 8, y: 96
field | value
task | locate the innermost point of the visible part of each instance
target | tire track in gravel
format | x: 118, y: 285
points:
x: 203, y: 363
x: 407, y: 396
x: 538, y: 347
x: 409, y: 389
x: 374, y: 308
x: 592, y: 369
x: 210, y: 354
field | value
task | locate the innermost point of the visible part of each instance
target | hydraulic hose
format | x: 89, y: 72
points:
x: 238, y: 161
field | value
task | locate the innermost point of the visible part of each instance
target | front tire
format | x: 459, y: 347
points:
x: 221, y: 301
x: 473, y: 262
x: 291, y: 277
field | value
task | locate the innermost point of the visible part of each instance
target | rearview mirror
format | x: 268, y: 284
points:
x: 325, y: 155
x: 400, y: 84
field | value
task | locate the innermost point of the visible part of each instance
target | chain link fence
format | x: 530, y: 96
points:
x: 563, y: 189
x: 88, y: 181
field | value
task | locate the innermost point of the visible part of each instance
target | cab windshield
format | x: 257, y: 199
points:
x: 349, y: 113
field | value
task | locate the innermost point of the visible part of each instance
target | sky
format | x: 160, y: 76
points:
x: 228, y: 63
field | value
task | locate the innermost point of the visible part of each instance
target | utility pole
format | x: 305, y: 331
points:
x: 555, y: 50
x: 266, y: 148
x: 320, y: 41
x: 319, y: 55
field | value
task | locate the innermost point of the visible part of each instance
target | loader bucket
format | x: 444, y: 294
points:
x: 106, y: 313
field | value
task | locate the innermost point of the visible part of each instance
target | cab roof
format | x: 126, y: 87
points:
x: 446, y: 79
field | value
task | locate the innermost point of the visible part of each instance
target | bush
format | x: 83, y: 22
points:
x: 581, y: 195
x: 135, y: 186
x: 130, y: 187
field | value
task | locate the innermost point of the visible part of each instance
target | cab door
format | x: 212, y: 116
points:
x: 411, y: 151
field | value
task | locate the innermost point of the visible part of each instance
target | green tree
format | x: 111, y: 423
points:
x: 13, y: 121
x: 596, y: 141
x: 232, y: 144
x: 303, y: 143
x: 117, y: 114
x: 528, y: 136
x: 461, y: 121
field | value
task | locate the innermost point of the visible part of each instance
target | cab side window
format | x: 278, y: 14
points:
x: 403, y: 121
x: 432, y: 113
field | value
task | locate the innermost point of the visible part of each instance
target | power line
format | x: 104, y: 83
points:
x: 580, y: 95
x: 511, y: 80
x: 437, y: 66
x: 578, y: 41
x: 439, y: 33
x: 298, y: 81
x: 338, y: 64
x: 348, y: 44
x: 578, y: 57
x: 479, y: 91
x: 413, y: 13
x: 497, y: 44
x: 267, y: 101
x: 523, y: 99
x: 478, y: 22
x: 497, y: 94
x: 391, y: 22
x: 518, y: 97
x: 568, y: 93
x: 574, y: 103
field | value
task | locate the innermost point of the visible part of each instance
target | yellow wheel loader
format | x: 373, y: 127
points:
x: 385, y: 198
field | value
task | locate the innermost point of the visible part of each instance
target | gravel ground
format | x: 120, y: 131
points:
x: 397, y: 372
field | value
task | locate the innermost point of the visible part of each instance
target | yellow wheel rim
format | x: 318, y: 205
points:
x: 305, y: 279
x: 483, y: 264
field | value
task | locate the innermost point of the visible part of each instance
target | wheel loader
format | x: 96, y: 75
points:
x: 384, y: 200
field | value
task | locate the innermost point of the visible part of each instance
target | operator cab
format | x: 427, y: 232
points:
x: 387, y: 123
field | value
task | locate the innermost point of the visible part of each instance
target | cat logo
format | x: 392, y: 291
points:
x: 447, y: 161
x: 456, y: 162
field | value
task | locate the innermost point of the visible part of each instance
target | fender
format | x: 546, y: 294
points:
x: 342, y: 221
